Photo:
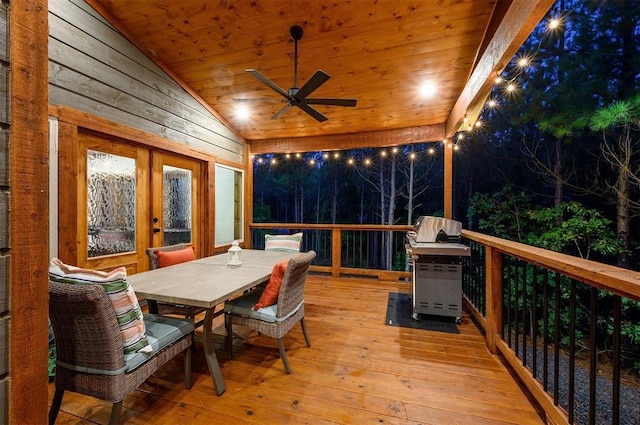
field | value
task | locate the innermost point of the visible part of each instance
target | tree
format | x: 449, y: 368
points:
x: 619, y: 123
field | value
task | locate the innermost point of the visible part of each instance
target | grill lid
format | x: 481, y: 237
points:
x: 436, y: 229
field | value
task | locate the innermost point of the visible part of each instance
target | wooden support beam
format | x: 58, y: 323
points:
x: 400, y: 136
x: 336, y: 252
x: 521, y: 18
x: 29, y: 211
x: 493, y: 267
x: 448, y: 180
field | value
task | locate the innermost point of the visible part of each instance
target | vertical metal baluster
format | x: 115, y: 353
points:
x: 545, y: 329
x: 534, y: 322
x: 593, y: 354
x: 483, y: 257
x: 615, y: 392
x: 524, y: 313
x: 516, y: 295
x: 556, y: 343
x: 572, y: 350
x: 476, y: 282
x: 508, y: 298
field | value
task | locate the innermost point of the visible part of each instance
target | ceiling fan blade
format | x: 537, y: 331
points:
x: 318, y: 79
x: 281, y: 112
x: 314, y: 113
x: 334, y: 102
x: 261, y: 100
x: 260, y: 77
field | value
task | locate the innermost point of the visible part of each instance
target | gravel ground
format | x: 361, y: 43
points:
x: 629, y: 396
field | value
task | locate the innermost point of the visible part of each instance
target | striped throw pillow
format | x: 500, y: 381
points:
x: 283, y: 242
x: 121, y: 294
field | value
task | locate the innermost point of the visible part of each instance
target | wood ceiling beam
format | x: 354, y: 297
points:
x: 518, y: 22
x: 370, y: 139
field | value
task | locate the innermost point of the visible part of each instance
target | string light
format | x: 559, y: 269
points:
x: 310, y: 159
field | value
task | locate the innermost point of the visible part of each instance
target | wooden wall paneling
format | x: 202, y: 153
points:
x: 4, y: 284
x: 29, y: 203
x: 124, y: 119
x: 4, y: 219
x: 4, y: 157
x: 4, y: 54
x: 106, y: 75
x: 4, y: 88
x: 4, y: 401
x: 94, y: 95
x: 130, y: 79
x: 4, y: 346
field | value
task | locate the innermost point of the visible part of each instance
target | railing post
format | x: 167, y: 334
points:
x: 493, y: 267
x: 336, y: 252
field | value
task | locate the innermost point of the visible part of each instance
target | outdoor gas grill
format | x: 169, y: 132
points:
x: 436, y: 250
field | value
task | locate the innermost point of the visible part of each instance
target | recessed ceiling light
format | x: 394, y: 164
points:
x: 428, y: 89
x: 242, y: 112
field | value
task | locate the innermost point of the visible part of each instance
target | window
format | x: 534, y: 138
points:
x: 229, y: 205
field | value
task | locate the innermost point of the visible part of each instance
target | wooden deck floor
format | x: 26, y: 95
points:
x: 357, y: 371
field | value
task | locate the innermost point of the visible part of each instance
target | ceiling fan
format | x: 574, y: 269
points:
x: 296, y: 96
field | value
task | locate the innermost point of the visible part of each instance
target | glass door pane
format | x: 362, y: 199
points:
x: 111, y: 204
x: 177, y: 207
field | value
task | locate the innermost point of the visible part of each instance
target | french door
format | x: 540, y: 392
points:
x: 128, y: 198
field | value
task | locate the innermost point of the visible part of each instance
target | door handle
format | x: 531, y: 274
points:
x: 156, y: 230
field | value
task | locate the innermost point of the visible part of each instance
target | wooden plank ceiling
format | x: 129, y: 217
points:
x: 378, y: 52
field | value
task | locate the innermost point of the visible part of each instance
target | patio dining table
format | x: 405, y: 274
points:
x: 207, y: 282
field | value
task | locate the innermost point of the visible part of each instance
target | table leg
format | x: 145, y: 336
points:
x: 210, y: 353
x: 152, y: 305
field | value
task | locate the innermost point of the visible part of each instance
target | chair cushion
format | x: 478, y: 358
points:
x: 283, y: 242
x: 243, y: 306
x: 121, y: 294
x: 272, y: 289
x: 169, y: 258
x: 161, y: 332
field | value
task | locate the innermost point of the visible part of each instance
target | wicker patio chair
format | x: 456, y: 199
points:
x: 90, y: 354
x: 277, y: 320
x: 166, y: 308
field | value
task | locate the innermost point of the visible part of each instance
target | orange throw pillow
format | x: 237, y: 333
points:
x: 270, y: 294
x: 169, y: 258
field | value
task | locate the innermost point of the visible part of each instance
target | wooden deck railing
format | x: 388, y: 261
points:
x: 346, y: 249
x: 518, y: 293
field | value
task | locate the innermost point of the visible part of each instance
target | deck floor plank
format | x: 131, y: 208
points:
x: 357, y: 371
